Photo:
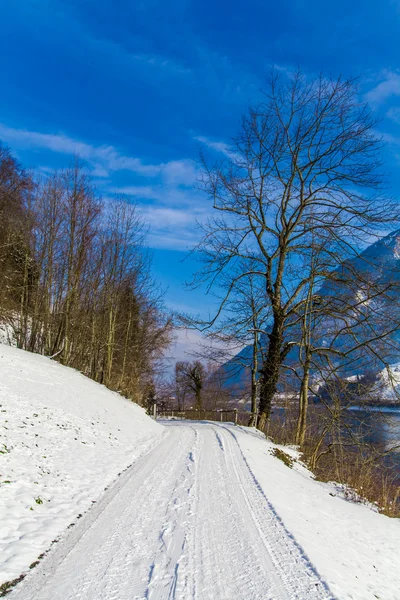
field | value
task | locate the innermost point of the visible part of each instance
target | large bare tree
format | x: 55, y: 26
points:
x: 304, y: 177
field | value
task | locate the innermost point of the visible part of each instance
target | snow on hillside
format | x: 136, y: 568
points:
x: 353, y: 547
x: 7, y: 335
x: 389, y: 383
x: 209, y: 513
x: 63, y: 439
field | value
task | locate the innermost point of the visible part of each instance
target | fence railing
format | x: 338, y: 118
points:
x: 230, y: 415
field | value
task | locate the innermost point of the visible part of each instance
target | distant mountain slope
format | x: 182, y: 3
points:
x: 236, y: 372
x: 382, y: 257
x: 380, y: 262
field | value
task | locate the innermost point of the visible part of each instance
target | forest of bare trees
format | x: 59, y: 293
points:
x: 75, y: 278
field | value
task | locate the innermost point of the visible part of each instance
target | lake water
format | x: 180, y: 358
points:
x: 381, y: 424
x: 381, y: 427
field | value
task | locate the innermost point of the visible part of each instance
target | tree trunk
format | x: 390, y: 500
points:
x: 198, y: 398
x: 303, y: 405
x: 315, y: 453
x: 126, y: 346
x: 270, y: 371
x: 254, y: 384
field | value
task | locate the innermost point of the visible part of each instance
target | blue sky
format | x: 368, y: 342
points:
x: 136, y: 86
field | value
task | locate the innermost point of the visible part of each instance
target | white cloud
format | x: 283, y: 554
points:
x: 161, y: 62
x: 394, y: 114
x: 175, y: 205
x: 165, y: 193
x: 390, y: 86
x: 178, y: 172
x: 190, y: 343
x: 221, y: 147
x: 172, y: 241
x: 103, y: 158
x: 187, y: 342
x: 172, y: 228
x: 120, y: 55
x: 166, y: 217
x: 390, y: 138
x: 288, y: 71
x: 148, y: 192
x: 184, y: 347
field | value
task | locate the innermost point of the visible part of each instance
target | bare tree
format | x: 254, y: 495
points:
x: 245, y: 318
x: 78, y: 286
x: 17, y: 270
x: 305, y: 164
x: 347, y: 326
x: 191, y: 376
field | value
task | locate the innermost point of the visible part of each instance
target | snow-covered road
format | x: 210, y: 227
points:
x: 186, y: 521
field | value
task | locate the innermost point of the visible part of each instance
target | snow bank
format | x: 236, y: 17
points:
x: 7, y: 335
x: 354, y: 549
x: 63, y: 439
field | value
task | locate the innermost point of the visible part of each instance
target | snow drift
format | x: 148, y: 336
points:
x: 353, y: 547
x: 196, y: 507
x: 63, y: 439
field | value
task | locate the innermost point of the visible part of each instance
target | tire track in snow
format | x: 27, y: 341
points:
x: 114, y: 554
x: 296, y: 571
x: 172, y: 567
x: 186, y: 522
x: 229, y: 565
x: 245, y: 553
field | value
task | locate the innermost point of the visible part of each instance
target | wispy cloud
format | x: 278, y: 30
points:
x: 165, y: 192
x: 388, y: 87
x: 174, y: 228
x: 120, y: 54
x: 160, y: 62
x: 394, y: 142
x: 171, y: 212
x: 180, y: 172
x: 164, y: 216
x: 104, y: 159
x: 186, y: 343
x: 389, y: 138
x: 221, y: 147
x: 394, y: 114
x: 288, y: 71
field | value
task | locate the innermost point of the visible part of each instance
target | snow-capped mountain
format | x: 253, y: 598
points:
x: 378, y: 265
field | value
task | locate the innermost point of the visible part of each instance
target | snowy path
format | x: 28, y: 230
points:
x: 187, y: 521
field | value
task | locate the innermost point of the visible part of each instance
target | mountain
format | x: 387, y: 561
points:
x: 378, y: 263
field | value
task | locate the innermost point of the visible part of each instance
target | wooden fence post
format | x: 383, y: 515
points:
x: 235, y: 410
x: 155, y: 411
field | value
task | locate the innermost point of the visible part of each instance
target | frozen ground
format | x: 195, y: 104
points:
x: 354, y: 548
x: 63, y: 439
x: 186, y: 521
x: 204, y: 512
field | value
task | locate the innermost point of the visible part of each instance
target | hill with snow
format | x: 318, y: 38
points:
x: 63, y: 439
x: 205, y: 511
